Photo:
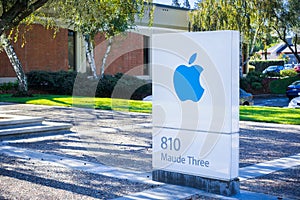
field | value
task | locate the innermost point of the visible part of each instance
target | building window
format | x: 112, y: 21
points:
x: 71, y: 50
x: 146, y: 55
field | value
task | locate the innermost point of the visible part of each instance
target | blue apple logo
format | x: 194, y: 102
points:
x: 186, y: 81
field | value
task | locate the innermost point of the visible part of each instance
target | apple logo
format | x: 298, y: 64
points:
x: 186, y: 81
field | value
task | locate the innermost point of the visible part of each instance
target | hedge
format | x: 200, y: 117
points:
x: 260, y: 65
x: 279, y: 86
x: 80, y: 84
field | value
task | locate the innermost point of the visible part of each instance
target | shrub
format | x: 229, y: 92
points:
x: 53, y: 82
x: 64, y: 82
x: 288, y: 72
x: 256, y: 85
x: 106, y: 86
x: 255, y: 82
x: 254, y: 76
x: 8, y: 86
x: 244, y: 84
x: 279, y: 86
x: 131, y: 87
x: 142, y: 92
x: 79, y: 84
x: 40, y: 80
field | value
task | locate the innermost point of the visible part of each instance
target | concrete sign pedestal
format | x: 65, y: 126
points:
x: 196, y: 110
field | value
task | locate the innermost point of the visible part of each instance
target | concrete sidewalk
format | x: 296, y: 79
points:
x: 116, y: 140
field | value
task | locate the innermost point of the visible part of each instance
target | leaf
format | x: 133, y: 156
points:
x: 193, y: 58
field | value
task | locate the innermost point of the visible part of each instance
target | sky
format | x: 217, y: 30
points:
x: 169, y: 2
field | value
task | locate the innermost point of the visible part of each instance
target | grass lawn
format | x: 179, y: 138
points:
x: 247, y: 113
x: 270, y: 114
x: 84, y: 102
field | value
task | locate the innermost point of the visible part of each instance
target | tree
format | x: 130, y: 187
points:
x: 12, y: 13
x: 196, y: 3
x: 238, y: 15
x: 175, y: 3
x: 186, y: 4
x: 286, y: 16
x: 90, y: 17
x: 254, y: 19
x: 86, y: 16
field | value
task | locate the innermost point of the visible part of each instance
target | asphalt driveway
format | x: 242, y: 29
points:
x: 123, y: 140
x: 271, y: 100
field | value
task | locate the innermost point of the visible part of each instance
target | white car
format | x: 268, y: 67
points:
x: 148, y: 98
x: 295, y: 103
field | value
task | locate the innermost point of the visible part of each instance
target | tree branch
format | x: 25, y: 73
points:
x: 4, y: 7
x: 19, y: 11
x: 295, y: 42
x: 286, y: 42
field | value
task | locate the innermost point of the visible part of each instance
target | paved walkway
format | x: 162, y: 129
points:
x: 116, y: 147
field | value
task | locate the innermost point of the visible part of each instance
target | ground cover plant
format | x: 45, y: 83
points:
x: 247, y: 113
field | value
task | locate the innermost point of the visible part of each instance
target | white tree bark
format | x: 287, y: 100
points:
x: 89, y: 51
x: 241, y: 56
x: 108, y: 48
x: 14, y: 60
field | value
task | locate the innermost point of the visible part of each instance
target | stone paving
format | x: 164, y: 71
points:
x: 123, y: 140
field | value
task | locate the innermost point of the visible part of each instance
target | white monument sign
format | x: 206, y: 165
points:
x: 196, y: 104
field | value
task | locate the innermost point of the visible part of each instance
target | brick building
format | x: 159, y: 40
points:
x: 66, y: 51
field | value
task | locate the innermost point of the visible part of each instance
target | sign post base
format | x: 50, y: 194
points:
x: 221, y: 187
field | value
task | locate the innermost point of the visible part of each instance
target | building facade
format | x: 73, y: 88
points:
x: 130, y: 51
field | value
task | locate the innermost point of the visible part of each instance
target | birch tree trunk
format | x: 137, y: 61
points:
x: 17, y: 66
x: 108, y: 48
x: 89, y: 51
x: 241, y: 55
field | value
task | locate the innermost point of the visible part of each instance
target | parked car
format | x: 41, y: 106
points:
x: 273, y: 69
x: 148, y: 98
x: 297, y: 68
x: 246, y: 99
x: 288, y: 66
x: 295, y: 103
x: 293, y: 90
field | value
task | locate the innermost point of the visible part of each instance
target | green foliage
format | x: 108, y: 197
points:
x: 90, y: 17
x: 78, y: 84
x: 244, y: 16
x: 260, y: 65
x: 175, y: 3
x: 252, y: 81
x: 53, y: 82
x: 256, y: 83
x: 286, y: 15
x: 130, y: 85
x: 256, y: 56
x: 288, y: 72
x: 279, y: 86
x: 251, y: 68
x: 254, y: 19
x: 284, y: 57
x: 254, y: 77
x: 13, y: 12
x: 186, y: 4
x: 10, y: 86
x: 244, y: 83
